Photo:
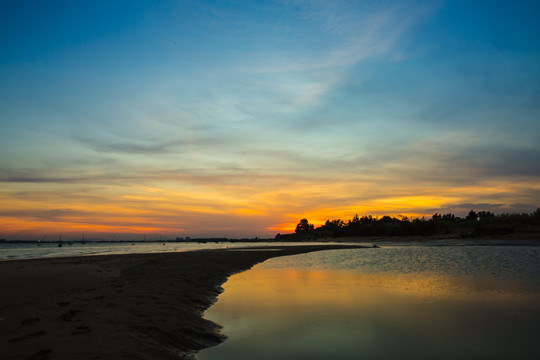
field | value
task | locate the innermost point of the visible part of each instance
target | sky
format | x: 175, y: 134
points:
x: 238, y: 118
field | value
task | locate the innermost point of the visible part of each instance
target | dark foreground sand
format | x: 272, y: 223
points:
x: 141, y: 306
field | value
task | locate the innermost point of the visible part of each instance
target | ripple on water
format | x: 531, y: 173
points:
x: 393, y: 302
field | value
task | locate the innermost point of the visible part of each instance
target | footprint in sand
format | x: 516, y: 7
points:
x: 41, y: 355
x: 68, y: 316
x: 29, y: 321
x: 26, y: 337
x: 80, y: 330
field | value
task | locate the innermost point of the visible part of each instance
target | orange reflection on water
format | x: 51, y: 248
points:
x: 277, y: 313
x: 269, y: 285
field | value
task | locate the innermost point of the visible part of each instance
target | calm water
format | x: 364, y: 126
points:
x: 33, y: 250
x: 402, y: 302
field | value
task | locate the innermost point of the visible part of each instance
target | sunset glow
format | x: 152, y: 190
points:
x: 237, y: 119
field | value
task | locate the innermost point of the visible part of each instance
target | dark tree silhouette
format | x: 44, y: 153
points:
x: 334, y: 227
x: 482, y: 223
x: 473, y: 216
x: 303, y: 227
x: 450, y: 217
x: 485, y: 215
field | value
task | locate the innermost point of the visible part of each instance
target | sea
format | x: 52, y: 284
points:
x: 392, y: 302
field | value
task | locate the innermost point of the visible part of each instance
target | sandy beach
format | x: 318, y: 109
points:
x: 140, y: 306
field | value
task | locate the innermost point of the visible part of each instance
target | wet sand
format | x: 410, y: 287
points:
x: 140, y: 306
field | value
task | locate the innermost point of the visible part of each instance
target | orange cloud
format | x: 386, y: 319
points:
x: 257, y: 208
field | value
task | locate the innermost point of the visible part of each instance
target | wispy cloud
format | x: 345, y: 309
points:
x: 142, y: 147
x: 357, y: 35
x: 299, y: 78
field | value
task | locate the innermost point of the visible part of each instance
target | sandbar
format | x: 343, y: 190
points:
x: 137, y: 306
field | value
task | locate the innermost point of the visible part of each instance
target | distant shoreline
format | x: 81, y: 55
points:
x: 530, y: 237
x: 191, y: 241
x: 139, y: 306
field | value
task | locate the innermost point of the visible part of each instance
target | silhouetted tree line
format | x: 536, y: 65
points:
x: 474, y: 224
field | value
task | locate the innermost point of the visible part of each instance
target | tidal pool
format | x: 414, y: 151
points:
x: 396, y: 302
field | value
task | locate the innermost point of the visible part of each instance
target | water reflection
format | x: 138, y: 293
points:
x: 276, y: 311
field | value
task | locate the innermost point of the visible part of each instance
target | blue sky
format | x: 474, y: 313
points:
x: 238, y: 118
